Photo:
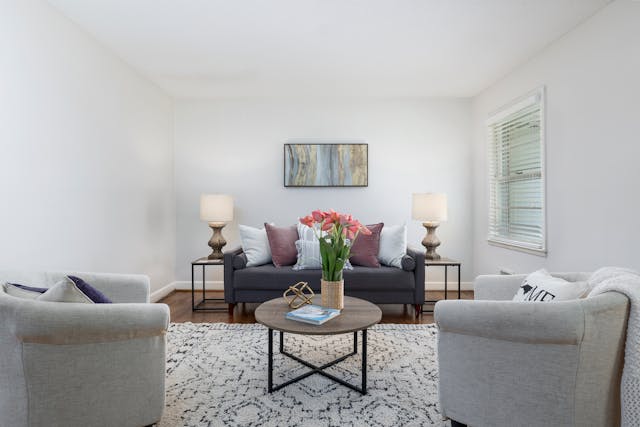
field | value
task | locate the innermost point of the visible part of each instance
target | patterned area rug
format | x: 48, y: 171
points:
x: 217, y: 376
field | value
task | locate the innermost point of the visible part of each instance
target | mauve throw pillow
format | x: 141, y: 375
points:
x: 282, y: 241
x: 365, y: 248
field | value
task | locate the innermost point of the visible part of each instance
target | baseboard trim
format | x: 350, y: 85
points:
x: 451, y: 285
x: 162, y: 292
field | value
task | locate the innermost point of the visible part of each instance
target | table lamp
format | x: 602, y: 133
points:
x: 430, y: 208
x: 217, y: 210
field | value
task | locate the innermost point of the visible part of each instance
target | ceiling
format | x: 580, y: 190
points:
x: 227, y: 48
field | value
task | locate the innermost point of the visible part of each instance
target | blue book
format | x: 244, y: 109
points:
x: 313, y: 314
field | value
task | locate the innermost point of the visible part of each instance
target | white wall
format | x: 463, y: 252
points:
x: 592, y: 76
x: 236, y: 147
x: 86, y: 168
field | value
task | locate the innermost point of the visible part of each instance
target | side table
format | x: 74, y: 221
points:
x: 446, y: 263
x: 204, y: 262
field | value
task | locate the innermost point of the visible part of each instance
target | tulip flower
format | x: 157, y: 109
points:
x: 307, y: 220
x: 336, y: 235
x: 318, y: 215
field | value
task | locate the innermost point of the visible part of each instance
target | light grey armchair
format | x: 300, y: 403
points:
x: 505, y: 363
x: 70, y: 364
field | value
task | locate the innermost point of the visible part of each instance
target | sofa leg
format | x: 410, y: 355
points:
x: 454, y: 423
x: 231, y: 307
x: 418, y: 309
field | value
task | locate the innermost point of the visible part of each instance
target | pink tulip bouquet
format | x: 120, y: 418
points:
x: 336, y: 233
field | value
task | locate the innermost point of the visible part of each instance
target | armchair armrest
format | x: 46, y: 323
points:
x: 559, y: 322
x: 120, y: 288
x: 72, y: 323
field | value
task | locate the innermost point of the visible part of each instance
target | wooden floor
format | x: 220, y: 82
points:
x: 180, y: 304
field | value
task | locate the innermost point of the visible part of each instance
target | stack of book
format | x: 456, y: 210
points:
x: 313, y: 314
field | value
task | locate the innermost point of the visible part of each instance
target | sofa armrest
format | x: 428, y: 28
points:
x: 74, y: 323
x: 418, y: 272
x: 559, y: 322
x: 498, y: 287
x: 229, y: 267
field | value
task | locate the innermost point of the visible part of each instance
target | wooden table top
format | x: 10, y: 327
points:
x: 356, y: 315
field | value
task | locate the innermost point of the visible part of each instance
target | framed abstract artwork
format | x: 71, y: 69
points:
x: 325, y: 164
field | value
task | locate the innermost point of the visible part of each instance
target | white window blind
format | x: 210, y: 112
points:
x: 516, y: 175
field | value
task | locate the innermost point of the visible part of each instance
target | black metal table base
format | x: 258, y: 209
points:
x: 319, y: 369
x: 201, y: 305
x: 446, y: 283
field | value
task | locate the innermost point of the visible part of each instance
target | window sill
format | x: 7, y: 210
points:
x: 504, y: 245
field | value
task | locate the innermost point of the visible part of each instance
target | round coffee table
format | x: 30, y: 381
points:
x: 357, y: 315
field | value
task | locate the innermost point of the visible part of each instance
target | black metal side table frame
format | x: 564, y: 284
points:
x: 319, y: 369
x: 204, y: 262
x: 446, y: 263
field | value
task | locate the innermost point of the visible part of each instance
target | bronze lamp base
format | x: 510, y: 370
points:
x: 431, y: 241
x: 217, y: 241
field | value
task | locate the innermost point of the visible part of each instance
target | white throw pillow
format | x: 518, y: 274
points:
x: 540, y: 286
x: 308, y: 255
x: 15, y: 291
x: 308, y: 248
x: 65, y: 291
x: 393, y: 245
x: 255, y: 245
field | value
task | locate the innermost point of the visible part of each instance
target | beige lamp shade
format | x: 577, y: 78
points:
x: 429, y: 207
x: 216, y: 207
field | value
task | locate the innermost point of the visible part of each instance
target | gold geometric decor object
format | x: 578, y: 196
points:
x: 298, y: 290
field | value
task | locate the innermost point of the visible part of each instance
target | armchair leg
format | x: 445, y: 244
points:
x: 418, y: 309
x: 454, y: 423
x: 231, y: 307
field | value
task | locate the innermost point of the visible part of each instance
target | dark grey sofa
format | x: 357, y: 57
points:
x: 384, y: 285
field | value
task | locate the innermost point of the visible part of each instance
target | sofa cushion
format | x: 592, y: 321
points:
x: 365, y: 248
x: 268, y: 277
x: 282, y: 242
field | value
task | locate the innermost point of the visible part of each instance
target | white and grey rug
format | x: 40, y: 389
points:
x: 217, y: 376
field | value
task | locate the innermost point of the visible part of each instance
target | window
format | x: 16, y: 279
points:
x: 516, y: 175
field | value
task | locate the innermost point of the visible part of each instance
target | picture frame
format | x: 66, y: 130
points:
x: 326, y: 164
